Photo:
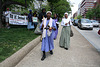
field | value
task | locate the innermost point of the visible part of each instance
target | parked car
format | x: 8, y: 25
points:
x: 85, y: 24
x: 75, y: 23
x: 95, y: 23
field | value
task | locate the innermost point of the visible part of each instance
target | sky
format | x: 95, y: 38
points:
x: 75, y: 4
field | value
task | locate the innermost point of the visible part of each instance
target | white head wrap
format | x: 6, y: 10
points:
x: 65, y: 13
x: 49, y: 12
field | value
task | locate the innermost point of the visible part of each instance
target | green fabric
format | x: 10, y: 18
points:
x: 65, y: 37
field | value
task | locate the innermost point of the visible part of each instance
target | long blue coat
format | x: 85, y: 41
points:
x: 48, y: 41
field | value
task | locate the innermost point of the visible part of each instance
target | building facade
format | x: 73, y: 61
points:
x: 85, y: 5
x: 75, y: 15
x: 79, y: 9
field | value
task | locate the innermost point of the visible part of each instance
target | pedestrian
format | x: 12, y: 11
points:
x: 42, y: 14
x: 30, y: 24
x: 55, y: 18
x: 47, y: 26
x: 7, y: 14
x: 65, y: 33
x: 35, y: 14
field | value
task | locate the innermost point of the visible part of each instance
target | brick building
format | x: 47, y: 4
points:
x: 85, y: 5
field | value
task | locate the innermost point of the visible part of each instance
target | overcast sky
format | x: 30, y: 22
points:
x: 75, y: 3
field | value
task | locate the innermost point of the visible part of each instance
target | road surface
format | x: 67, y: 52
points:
x: 92, y: 36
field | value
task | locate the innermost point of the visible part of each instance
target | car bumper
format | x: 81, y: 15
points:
x: 87, y: 27
x: 96, y: 25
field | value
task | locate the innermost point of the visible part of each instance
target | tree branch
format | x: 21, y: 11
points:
x: 7, y: 3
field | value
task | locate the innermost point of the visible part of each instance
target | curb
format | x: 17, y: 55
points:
x: 19, y: 55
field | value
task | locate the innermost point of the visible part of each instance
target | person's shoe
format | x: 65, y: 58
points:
x: 54, y: 38
x: 66, y: 48
x: 43, y: 57
x: 61, y: 46
x: 51, y: 52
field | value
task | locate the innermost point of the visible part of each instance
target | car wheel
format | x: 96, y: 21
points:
x: 74, y: 24
x: 81, y: 28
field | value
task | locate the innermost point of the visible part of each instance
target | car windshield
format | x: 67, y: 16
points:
x: 94, y: 21
x: 86, y: 21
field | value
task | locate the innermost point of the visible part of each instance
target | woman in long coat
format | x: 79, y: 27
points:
x: 65, y: 33
x: 47, y: 26
x: 55, y: 18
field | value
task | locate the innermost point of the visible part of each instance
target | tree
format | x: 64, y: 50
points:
x: 0, y: 13
x: 97, y: 12
x: 93, y: 13
x: 47, y: 7
x: 90, y: 14
x: 59, y: 6
x: 51, y: 3
x: 6, y: 3
x: 79, y: 17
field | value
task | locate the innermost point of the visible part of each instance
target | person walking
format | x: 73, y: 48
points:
x: 35, y: 14
x: 47, y: 26
x: 55, y: 18
x: 65, y: 33
x: 41, y: 18
x: 42, y: 14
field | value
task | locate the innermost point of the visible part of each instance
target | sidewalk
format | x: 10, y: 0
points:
x: 80, y: 54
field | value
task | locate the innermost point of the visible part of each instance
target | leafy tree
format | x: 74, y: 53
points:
x: 93, y: 13
x: 90, y: 14
x: 97, y: 11
x: 47, y: 7
x: 79, y: 17
x: 59, y: 6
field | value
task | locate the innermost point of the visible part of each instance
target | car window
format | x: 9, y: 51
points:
x: 86, y: 21
x: 94, y: 21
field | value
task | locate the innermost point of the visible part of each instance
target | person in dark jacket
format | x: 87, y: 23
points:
x: 30, y: 25
x: 35, y: 14
x: 42, y: 14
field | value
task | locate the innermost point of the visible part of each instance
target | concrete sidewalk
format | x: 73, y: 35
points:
x: 80, y: 54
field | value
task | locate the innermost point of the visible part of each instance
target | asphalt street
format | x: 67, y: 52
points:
x: 92, y: 36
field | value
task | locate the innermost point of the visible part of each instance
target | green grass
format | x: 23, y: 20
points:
x: 11, y: 40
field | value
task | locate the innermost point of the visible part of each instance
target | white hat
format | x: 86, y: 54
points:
x: 49, y: 12
x: 65, y: 13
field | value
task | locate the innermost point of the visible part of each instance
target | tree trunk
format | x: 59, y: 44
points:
x: 0, y: 14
